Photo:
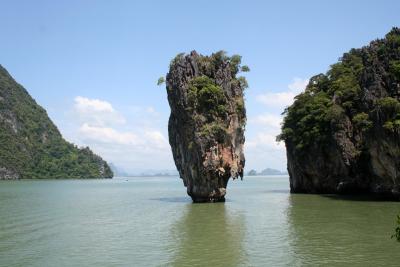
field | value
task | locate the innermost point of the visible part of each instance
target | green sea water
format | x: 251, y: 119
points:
x: 151, y: 222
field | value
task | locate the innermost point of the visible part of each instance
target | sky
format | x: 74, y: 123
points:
x: 94, y: 65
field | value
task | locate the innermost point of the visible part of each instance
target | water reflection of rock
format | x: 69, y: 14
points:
x: 208, y: 235
x: 334, y: 231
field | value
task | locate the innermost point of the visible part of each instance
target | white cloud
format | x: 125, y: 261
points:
x: 156, y: 138
x: 105, y: 130
x: 96, y: 112
x: 281, y: 99
x: 284, y: 98
x: 84, y: 104
x: 262, y: 150
x: 147, y: 140
x: 298, y: 85
x: 267, y: 120
x: 152, y: 111
x: 143, y: 110
x: 265, y: 140
x: 107, y: 135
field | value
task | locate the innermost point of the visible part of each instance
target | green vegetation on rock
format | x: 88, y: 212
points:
x: 207, y: 97
x: 330, y: 98
x: 308, y: 120
x: 342, y: 133
x: 362, y: 121
x: 207, y: 100
x: 389, y: 107
x: 160, y: 80
x: 32, y: 146
x: 210, y: 106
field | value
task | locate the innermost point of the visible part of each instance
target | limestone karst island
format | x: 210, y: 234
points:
x: 215, y: 133
x: 342, y: 133
x: 206, y: 125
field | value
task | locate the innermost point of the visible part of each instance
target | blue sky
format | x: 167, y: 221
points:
x: 94, y: 64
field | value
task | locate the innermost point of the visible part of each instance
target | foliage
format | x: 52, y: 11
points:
x: 362, y: 121
x: 389, y: 104
x: 330, y: 98
x: 214, y: 130
x: 395, y: 68
x: 209, y: 66
x: 176, y: 59
x: 393, y: 37
x: 208, y: 102
x: 240, y: 106
x: 161, y: 80
x: 235, y: 61
x: 243, y: 82
x: 207, y: 97
x: 306, y: 121
x: 389, y: 108
x: 343, y: 80
x: 245, y: 68
x: 32, y: 146
x: 392, y: 126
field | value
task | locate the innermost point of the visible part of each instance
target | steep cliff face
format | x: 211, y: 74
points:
x: 206, y: 125
x: 342, y: 134
x: 31, y: 145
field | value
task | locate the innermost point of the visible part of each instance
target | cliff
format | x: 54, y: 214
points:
x: 31, y: 145
x: 206, y: 125
x: 342, y: 134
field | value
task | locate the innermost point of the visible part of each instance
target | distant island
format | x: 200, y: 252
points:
x: 267, y: 171
x: 120, y: 172
x: 32, y: 146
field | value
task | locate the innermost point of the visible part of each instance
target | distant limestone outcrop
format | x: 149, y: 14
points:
x: 206, y: 125
x: 342, y: 134
x: 31, y: 145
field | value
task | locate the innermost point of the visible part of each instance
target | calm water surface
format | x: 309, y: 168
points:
x: 151, y: 222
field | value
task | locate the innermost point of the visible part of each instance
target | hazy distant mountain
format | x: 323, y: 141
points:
x: 267, y: 171
x: 252, y: 173
x: 118, y: 171
x: 157, y: 173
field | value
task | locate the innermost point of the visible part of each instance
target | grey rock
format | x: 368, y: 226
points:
x: 6, y: 174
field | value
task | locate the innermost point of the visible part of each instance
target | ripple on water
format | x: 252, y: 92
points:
x: 153, y: 223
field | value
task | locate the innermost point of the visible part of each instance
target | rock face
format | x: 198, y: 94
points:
x: 342, y: 134
x: 206, y: 125
x: 31, y: 145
